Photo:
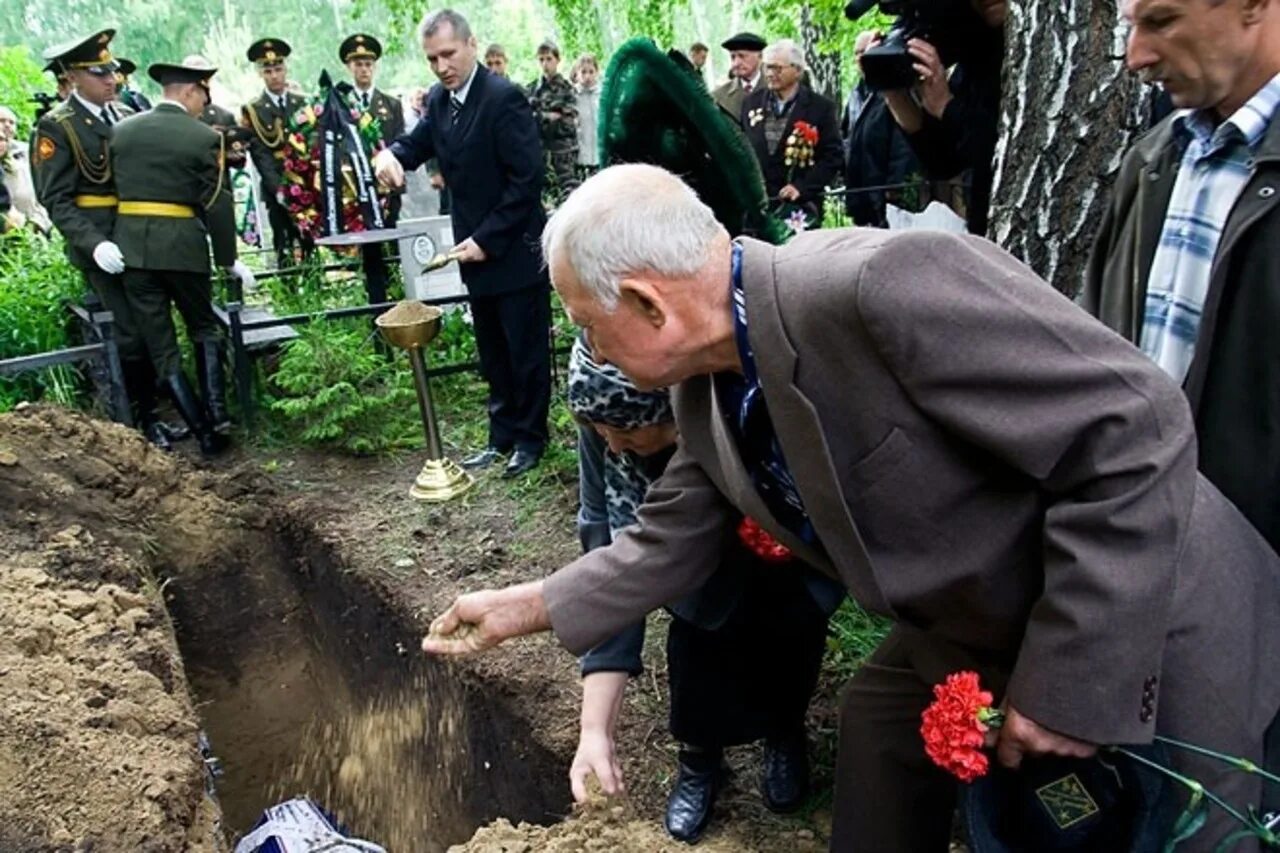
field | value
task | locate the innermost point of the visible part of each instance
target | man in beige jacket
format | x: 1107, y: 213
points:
x: 970, y: 453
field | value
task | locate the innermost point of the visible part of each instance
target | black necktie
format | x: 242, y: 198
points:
x: 106, y: 117
x: 364, y: 100
x: 455, y: 107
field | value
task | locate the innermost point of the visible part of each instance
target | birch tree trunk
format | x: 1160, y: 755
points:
x: 1069, y: 112
x: 824, y: 68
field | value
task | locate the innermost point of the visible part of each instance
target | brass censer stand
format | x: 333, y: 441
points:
x: 410, y: 326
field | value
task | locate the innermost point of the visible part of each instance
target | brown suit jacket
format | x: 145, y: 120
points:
x: 983, y: 461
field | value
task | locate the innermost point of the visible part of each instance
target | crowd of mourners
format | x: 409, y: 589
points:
x: 1085, y: 513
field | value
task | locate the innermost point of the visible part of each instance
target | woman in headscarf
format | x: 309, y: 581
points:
x: 743, y: 652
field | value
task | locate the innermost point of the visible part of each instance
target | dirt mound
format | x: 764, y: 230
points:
x: 97, y: 732
x: 604, y: 826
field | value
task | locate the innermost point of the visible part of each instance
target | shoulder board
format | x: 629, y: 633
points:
x: 124, y: 109
x: 60, y: 110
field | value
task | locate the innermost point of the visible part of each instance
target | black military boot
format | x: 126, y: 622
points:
x: 700, y: 777
x: 212, y: 373
x: 785, y: 782
x: 188, y: 405
x: 139, y: 384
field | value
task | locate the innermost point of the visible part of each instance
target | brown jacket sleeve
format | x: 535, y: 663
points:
x: 1003, y: 362
x: 671, y: 551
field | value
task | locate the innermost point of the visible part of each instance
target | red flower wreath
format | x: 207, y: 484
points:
x: 955, y: 726
x: 764, y: 546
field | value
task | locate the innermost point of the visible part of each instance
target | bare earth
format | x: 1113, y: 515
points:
x: 98, y: 727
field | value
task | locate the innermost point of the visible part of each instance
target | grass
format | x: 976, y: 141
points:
x: 853, y: 636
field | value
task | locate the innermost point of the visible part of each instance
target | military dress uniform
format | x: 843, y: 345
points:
x: 550, y: 95
x: 389, y: 114
x: 126, y: 94
x: 267, y: 116
x: 174, y: 203
x: 74, y: 180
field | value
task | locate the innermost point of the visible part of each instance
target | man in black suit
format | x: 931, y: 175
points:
x: 481, y: 130
x: 776, y: 118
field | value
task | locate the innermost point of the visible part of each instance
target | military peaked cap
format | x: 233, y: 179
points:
x: 88, y: 53
x: 268, y: 51
x: 360, y: 46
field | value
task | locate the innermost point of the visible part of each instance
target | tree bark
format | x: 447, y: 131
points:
x: 1069, y: 112
x: 824, y: 68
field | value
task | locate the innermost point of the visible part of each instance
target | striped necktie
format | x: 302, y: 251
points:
x: 455, y: 107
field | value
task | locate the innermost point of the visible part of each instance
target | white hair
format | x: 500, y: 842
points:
x: 786, y: 50
x: 630, y: 219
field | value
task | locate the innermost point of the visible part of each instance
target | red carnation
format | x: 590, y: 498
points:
x: 807, y: 132
x: 763, y: 545
x: 955, y: 726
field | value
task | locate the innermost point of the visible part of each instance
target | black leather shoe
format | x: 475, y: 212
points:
x: 785, y: 782
x: 520, y: 462
x: 483, y: 459
x: 698, y: 782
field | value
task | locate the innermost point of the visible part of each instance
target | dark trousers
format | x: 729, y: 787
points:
x: 753, y: 676
x: 373, y: 259
x: 151, y: 293
x: 889, y: 796
x: 285, y: 234
x: 110, y: 289
x: 513, y: 341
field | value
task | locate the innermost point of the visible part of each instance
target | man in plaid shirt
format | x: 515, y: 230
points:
x: 1186, y: 264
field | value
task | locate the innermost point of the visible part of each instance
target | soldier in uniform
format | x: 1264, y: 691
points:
x: 267, y: 117
x: 72, y: 172
x: 555, y: 105
x: 125, y: 93
x: 360, y: 53
x: 174, y: 202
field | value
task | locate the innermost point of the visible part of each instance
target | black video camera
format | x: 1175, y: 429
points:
x: 942, y: 23
x: 45, y: 103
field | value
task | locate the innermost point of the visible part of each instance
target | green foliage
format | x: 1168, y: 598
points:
x: 35, y: 282
x: 854, y: 635
x: 20, y: 77
x: 334, y: 389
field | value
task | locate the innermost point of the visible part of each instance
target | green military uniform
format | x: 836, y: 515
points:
x: 174, y: 203
x: 559, y: 134
x: 237, y: 137
x: 389, y: 114
x: 73, y: 178
x: 267, y: 116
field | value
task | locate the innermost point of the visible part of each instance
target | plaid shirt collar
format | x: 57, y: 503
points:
x: 1248, y: 124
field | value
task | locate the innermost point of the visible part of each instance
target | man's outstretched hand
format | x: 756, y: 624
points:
x: 481, y: 620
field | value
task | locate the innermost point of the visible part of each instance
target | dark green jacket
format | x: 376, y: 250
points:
x: 69, y: 158
x: 387, y: 110
x: 266, y: 146
x: 166, y: 155
x: 555, y: 96
x: 1233, y: 379
x: 224, y: 121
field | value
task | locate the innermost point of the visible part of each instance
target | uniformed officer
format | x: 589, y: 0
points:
x: 174, y: 202
x: 267, y: 117
x: 74, y: 181
x: 63, y: 85
x: 125, y: 93
x: 360, y: 53
x: 555, y: 105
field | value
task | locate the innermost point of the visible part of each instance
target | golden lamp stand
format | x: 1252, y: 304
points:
x: 410, y: 326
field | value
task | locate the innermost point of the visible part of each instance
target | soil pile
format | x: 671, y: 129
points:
x: 606, y: 827
x: 97, y: 732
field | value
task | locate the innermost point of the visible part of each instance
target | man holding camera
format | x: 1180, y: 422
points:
x: 950, y: 118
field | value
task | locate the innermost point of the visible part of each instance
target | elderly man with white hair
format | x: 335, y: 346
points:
x: 919, y: 415
x: 795, y: 135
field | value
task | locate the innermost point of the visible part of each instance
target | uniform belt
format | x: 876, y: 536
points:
x: 96, y: 201
x: 156, y: 208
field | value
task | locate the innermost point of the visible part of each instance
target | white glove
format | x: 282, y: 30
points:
x: 242, y: 272
x: 108, y: 257
x: 388, y: 169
